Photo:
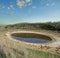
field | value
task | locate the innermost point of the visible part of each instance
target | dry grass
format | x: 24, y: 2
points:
x: 10, y: 48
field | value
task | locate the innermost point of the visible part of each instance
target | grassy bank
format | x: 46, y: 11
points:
x: 10, y: 48
x: 41, y: 54
x: 28, y: 53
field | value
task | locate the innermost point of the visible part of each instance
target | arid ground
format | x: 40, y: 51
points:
x: 11, y: 48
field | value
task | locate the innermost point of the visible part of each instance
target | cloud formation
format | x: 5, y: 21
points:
x: 8, y: 7
x: 27, y: 1
x: 53, y: 4
x: 47, y: 4
x: 22, y: 3
x: 34, y: 7
x: 11, y: 6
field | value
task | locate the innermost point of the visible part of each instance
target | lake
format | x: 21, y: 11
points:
x: 31, y: 37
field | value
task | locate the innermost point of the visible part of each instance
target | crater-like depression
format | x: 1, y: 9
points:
x: 31, y: 37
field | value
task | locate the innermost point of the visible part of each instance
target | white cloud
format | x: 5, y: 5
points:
x: 47, y: 4
x: 53, y: 4
x: 20, y: 3
x: 27, y: 1
x: 34, y: 7
x: 50, y: 4
x: 11, y: 6
x: 8, y: 7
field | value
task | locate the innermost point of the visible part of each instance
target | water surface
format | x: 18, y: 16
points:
x: 31, y: 37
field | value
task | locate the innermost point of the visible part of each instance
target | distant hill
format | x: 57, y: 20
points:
x: 46, y: 25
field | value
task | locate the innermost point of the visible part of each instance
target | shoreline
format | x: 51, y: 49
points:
x: 54, y: 43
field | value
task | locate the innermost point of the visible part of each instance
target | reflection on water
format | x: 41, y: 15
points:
x: 31, y: 40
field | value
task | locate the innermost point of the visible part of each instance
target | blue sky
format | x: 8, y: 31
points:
x: 15, y: 11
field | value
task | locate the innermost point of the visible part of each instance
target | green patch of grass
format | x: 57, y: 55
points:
x: 41, y: 54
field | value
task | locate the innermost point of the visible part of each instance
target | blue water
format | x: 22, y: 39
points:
x: 31, y: 40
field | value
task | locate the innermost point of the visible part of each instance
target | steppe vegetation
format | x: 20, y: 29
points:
x: 11, y: 48
x: 37, y: 26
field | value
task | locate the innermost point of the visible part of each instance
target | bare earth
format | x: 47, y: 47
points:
x: 54, y: 35
x: 13, y: 47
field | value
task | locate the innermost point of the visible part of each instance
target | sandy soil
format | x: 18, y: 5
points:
x: 55, y: 38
